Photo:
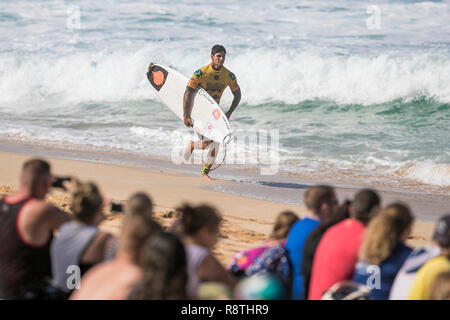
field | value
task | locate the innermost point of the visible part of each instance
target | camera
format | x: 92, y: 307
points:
x: 58, y: 183
x: 116, y: 206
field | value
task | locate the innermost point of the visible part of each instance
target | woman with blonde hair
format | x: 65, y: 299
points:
x: 383, y: 250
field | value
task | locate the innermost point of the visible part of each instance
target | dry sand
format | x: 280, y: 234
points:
x: 247, y: 221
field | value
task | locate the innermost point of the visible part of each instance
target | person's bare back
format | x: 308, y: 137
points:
x: 111, y: 280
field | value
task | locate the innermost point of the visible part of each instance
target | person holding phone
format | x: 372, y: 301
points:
x: 27, y: 222
x: 80, y: 241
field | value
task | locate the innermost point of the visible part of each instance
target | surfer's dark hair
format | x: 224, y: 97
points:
x: 218, y: 48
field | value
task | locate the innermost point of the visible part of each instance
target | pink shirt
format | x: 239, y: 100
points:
x: 335, y: 257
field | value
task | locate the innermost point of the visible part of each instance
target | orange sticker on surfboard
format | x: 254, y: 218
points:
x: 158, y: 77
x: 216, y: 114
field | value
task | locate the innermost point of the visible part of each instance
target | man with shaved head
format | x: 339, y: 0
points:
x: 27, y: 223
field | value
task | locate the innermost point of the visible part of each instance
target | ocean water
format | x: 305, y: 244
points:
x: 351, y: 89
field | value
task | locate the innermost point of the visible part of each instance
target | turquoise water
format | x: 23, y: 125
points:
x: 346, y: 98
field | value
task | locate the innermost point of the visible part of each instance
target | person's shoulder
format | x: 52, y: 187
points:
x: 90, y: 281
x: 229, y: 74
x: 338, y: 228
x: 201, y: 71
x: 404, y: 249
x: 439, y: 262
x: 39, y: 209
x: 338, y: 232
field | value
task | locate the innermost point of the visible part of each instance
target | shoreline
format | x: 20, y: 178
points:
x: 247, y: 220
x: 344, y: 177
x: 281, y: 188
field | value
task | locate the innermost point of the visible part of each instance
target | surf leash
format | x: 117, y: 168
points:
x: 224, y: 155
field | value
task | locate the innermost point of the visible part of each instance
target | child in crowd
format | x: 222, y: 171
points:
x: 244, y: 259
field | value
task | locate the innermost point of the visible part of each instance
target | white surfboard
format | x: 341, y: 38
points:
x: 208, y: 118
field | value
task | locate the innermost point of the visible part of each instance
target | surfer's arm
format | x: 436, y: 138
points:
x: 188, y: 98
x: 235, y: 103
x: 236, y: 90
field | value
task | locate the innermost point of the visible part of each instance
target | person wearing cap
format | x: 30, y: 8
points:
x: 426, y: 276
x: 214, y: 78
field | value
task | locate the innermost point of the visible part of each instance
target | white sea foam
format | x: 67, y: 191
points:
x: 428, y: 172
x: 293, y: 76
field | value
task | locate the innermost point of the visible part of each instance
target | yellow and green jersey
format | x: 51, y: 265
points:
x: 213, y: 81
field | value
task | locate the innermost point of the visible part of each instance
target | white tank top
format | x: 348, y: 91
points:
x: 195, y: 256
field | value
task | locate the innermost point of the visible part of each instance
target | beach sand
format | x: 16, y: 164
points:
x: 247, y: 221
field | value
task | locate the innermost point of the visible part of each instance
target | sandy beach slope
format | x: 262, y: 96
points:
x: 247, y: 221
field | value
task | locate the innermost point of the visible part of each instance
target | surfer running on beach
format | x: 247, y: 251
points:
x: 214, y: 79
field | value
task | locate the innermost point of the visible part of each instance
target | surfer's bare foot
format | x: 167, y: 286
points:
x: 206, y: 177
x: 188, y: 151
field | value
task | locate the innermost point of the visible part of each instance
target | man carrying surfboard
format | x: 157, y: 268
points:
x: 214, y: 78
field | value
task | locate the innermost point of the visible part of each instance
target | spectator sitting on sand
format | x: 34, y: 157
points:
x: 384, y: 246
x: 244, y: 259
x: 321, y: 202
x: 164, y: 267
x: 428, y: 273
x: 274, y: 260
x: 200, y: 234
x: 405, y: 277
x: 337, y: 252
x: 80, y: 242
x: 27, y: 223
x: 114, y: 279
x: 311, y: 243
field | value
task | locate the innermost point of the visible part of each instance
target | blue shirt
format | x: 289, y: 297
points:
x: 294, y: 245
x: 388, y: 270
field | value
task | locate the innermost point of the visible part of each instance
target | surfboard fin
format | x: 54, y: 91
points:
x: 150, y: 66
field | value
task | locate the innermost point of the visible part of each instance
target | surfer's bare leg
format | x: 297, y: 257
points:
x: 214, y: 148
x: 191, y: 145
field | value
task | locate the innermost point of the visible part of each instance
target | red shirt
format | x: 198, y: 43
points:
x: 335, y: 257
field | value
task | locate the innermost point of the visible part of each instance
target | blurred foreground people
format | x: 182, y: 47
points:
x: 164, y: 269
x: 200, y: 227
x: 384, y: 248
x: 427, y: 274
x: 115, y: 279
x: 321, y: 202
x: 337, y: 253
x: 27, y: 223
x: 80, y: 242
